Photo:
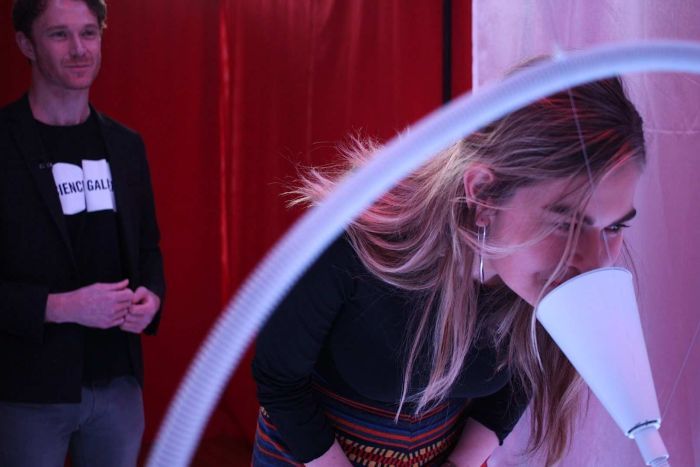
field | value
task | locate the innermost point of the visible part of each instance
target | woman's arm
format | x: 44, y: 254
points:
x: 288, y: 349
x: 475, y: 445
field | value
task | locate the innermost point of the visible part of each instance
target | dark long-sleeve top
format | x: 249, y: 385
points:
x: 342, y: 324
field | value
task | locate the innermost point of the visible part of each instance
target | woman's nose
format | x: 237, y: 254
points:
x: 591, y: 251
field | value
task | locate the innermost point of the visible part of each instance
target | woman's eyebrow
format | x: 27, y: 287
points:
x: 564, y: 209
x: 630, y: 215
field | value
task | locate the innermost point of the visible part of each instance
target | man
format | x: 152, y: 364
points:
x: 81, y: 272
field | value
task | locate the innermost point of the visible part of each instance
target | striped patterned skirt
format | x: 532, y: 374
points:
x: 370, y: 437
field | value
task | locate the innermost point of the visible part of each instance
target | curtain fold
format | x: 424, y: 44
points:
x: 305, y: 75
x: 664, y: 237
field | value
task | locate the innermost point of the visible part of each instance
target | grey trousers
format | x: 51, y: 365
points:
x: 104, y: 430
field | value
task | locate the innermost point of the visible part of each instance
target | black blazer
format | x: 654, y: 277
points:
x: 43, y: 362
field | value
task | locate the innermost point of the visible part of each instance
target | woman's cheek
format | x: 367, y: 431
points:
x: 553, y: 249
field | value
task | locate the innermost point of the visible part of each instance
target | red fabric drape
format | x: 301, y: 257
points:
x: 305, y: 74
x: 230, y: 96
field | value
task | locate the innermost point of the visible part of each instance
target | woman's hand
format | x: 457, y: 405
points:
x: 475, y: 445
x: 334, y: 457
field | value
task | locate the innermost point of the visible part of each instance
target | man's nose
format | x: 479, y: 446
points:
x: 591, y: 251
x: 77, y: 47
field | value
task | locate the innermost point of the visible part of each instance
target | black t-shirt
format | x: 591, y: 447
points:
x: 345, y: 326
x: 83, y: 182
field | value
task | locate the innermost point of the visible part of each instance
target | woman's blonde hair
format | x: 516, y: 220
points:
x: 421, y: 236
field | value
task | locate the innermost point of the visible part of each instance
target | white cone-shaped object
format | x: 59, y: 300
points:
x: 593, y: 318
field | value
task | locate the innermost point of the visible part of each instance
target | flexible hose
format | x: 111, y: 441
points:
x: 248, y: 310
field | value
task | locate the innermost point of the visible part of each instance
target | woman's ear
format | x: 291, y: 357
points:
x: 476, y: 178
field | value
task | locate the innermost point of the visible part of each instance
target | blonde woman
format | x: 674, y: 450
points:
x: 412, y: 340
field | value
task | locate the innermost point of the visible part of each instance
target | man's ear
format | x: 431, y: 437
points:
x: 475, y: 179
x: 26, y: 46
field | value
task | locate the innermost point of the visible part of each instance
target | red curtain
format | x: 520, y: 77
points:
x: 305, y: 73
x: 231, y: 96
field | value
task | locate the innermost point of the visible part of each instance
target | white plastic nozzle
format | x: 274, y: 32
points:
x: 650, y: 445
x: 593, y: 318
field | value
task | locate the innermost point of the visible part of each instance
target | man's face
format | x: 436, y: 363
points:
x: 65, y: 47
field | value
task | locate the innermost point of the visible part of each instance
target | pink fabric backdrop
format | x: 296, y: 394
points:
x: 664, y: 240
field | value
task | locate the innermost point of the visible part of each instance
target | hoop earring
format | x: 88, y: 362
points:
x: 482, y: 242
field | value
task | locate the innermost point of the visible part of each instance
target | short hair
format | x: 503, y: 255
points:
x: 25, y: 12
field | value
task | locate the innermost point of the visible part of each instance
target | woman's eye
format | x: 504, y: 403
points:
x: 616, y: 228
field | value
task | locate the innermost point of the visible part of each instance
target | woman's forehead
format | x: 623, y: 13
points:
x: 611, y: 199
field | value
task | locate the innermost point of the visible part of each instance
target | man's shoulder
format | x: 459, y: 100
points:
x: 114, y: 127
x: 12, y: 115
x: 13, y: 109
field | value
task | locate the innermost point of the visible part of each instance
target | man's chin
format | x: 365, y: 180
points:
x: 80, y: 85
x: 81, y: 82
